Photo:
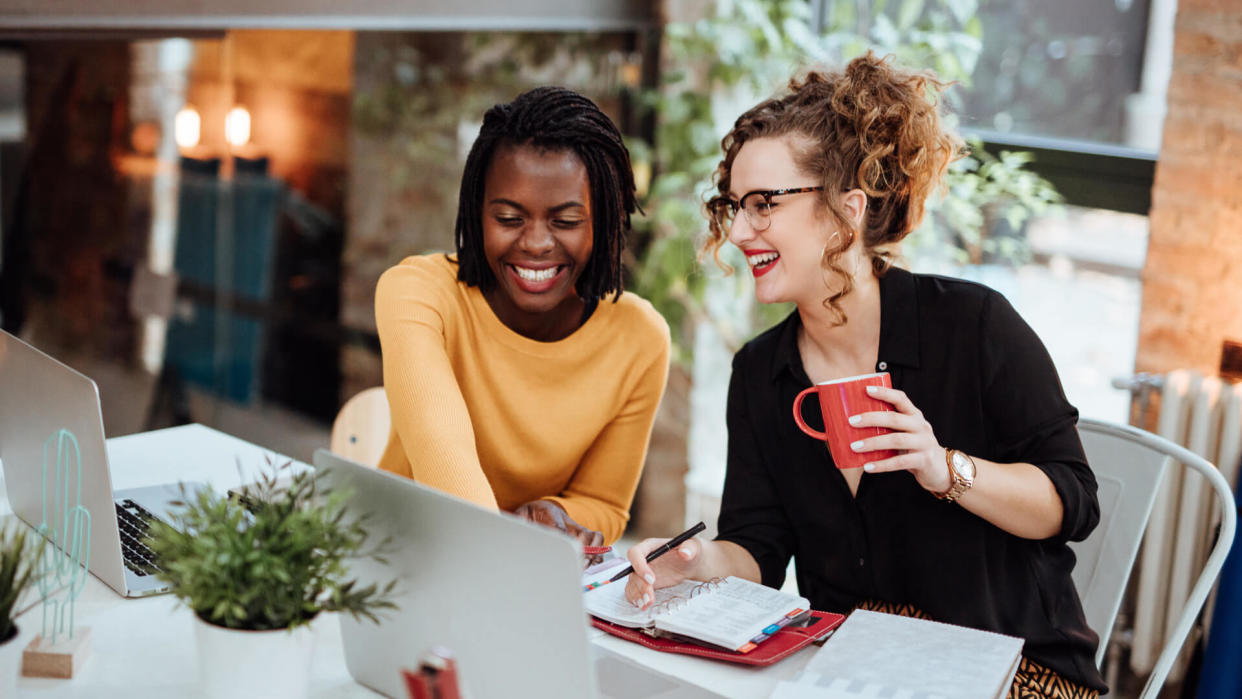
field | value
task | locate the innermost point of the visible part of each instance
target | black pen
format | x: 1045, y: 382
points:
x: 663, y: 549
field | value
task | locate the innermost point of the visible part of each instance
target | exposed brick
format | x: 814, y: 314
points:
x: 1198, y: 178
x: 1224, y: 8
x: 1219, y: 24
x: 1196, y: 93
x: 1198, y: 44
x: 1220, y: 50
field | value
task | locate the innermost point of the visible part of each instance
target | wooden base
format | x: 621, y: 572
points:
x: 60, y: 659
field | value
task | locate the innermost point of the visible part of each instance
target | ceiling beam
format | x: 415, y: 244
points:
x: 391, y: 15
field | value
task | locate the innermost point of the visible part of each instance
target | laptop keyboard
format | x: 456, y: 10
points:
x: 133, y: 520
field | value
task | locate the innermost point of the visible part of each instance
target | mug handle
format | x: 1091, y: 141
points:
x: 797, y: 413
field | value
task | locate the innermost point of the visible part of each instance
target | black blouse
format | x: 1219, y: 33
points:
x: 988, y: 387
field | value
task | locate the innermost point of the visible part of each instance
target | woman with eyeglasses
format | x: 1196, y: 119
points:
x: 519, y: 374
x: 968, y: 522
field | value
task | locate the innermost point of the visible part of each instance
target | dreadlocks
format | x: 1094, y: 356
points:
x: 553, y: 118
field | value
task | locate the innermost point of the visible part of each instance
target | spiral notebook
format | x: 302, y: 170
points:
x: 730, y: 613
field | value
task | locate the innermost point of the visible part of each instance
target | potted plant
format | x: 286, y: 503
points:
x: 256, y: 569
x: 19, y: 556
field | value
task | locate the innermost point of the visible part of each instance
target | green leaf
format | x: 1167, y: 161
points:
x: 908, y: 14
x: 974, y: 27
x: 884, y: 33
x: 963, y: 10
x: 275, y: 567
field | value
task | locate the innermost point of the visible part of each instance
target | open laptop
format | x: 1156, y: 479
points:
x: 503, y: 595
x: 38, y: 397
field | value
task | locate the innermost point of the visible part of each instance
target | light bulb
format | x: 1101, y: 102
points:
x: 237, y: 127
x: 187, y: 127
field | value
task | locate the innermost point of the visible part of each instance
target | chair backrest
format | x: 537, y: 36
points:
x: 360, y: 431
x: 1129, y: 465
x: 1129, y: 474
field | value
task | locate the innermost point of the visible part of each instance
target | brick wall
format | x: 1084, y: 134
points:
x: 1192, y: 289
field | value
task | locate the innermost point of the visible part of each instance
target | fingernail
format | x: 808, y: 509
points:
x: 872, y: 389
x: 868, y: 467
x: 855, y: 419
x: 649, y: 578
x: 856, y: 445
x: 646, y: 599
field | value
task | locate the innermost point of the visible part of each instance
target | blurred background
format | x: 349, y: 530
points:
x: 195, y: 207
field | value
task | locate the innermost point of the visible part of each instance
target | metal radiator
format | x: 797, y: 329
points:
x: 1204, y: 414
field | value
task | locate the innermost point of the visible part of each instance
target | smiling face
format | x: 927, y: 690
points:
x: 537, y: 238
x: 785, y: 258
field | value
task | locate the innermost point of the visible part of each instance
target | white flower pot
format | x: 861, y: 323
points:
x: 10, y: 664
x: 234, y: 663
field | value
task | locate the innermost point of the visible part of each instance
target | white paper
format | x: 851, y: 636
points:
x: 812, y: 685
x: 918, y: 656
x: 609, y: 602
x: 603, y: 571
x: 733, y: 613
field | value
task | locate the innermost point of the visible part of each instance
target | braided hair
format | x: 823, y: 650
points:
x: 553, y: 119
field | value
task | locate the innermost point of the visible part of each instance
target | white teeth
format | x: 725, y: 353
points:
x: 536, y: 275
x: 762, y: 259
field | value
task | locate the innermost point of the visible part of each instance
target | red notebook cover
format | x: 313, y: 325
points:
x: 782, y: 644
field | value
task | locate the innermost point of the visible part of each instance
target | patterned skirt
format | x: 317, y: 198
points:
x: 1033, y: 681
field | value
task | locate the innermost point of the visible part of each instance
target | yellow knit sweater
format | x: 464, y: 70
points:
x: 496, y: 418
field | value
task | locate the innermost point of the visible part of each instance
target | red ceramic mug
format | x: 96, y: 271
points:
x: 839, y: 400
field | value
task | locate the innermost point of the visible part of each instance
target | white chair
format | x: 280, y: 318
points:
x: 360, y: 431
x: 1129, y: 465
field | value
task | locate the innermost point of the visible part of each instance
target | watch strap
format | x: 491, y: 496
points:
x: 958, y: 484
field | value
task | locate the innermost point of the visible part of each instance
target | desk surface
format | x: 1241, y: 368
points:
x: 145, y: 647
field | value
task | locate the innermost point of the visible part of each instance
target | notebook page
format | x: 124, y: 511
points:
x: 916, y: 655
x: 603, y: 571
x: 735, y: 612
x: 608, y: 602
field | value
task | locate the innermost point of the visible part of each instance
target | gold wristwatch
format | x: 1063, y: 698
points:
x: 961, y: 473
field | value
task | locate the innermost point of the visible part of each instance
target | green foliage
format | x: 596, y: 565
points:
x: 272, y: 559
x: 982, y: 190
x: 747, y: 50
x: 19, y: 554
x: 419, y: 94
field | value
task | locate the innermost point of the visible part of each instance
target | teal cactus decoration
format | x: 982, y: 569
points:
x: 67, y: 524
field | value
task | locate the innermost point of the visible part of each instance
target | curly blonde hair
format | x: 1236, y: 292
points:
x: 871, y: 127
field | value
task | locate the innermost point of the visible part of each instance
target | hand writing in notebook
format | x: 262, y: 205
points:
x: 671, y: 569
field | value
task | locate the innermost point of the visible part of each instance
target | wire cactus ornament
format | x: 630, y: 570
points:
x: 64, y: 569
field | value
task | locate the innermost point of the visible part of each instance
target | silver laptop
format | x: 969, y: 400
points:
x: 39, y: 396
x: 503, y: 595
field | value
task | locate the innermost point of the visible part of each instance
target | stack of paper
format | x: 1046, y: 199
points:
x: 884, y: 655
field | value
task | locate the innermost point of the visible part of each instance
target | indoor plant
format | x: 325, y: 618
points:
x: 19, y: 556
x: 256, y: 569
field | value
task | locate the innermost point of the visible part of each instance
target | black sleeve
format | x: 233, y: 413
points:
x: 1032, y: 421
x: 751, y: 514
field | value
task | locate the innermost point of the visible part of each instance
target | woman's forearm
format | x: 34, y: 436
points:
x: 1018, y: 498
x: 721, y: 559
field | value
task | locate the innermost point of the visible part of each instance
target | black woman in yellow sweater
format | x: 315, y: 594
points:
x: 519, y: 374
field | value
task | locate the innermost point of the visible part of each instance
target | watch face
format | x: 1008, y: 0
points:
x: 963, y: 465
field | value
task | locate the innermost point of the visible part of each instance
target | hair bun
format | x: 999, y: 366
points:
x: 863, y: 67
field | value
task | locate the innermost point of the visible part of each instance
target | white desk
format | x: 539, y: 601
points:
x: 145, y: 647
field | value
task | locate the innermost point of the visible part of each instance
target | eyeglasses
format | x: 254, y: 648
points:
x: 756, y: 204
